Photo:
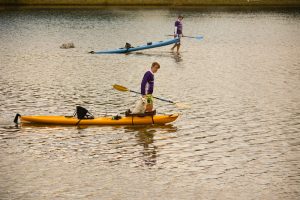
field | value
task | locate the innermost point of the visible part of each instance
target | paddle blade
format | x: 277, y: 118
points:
x: 120, y: 88
x: 200, y: 37
x: 182, y: 105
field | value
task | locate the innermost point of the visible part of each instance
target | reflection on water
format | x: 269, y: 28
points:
x: 145, y: 138
x: 157, y: 55
x: 177, y: 57
x: 238, y: 140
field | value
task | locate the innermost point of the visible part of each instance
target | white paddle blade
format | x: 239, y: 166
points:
x: 182, y: 105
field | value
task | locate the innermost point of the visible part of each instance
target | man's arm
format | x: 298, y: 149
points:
x: 175, y: 28
x: 144, y: 83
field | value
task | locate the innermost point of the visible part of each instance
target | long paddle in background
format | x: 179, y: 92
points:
x: 199, y: 37
x: 125, y: 89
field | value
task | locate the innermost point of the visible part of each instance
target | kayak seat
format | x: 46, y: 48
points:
x: 149, y: 43
x: 82, y: 113
x: 128, y: 113
x: 128, y: 45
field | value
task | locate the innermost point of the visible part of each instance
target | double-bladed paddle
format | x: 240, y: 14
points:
x: 199, y: 37
x: 125, y: 89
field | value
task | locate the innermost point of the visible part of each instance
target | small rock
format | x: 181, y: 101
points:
x: 67, y: 45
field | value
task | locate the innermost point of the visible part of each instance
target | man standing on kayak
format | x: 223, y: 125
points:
x: 147, y: 86
x: 178, y: 32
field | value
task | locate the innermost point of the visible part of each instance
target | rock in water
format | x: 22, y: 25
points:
x: 67, y: 45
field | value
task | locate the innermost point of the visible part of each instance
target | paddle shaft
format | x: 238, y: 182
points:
x: 190, y: 37
x: 198, y: 37
x: 153, y: 97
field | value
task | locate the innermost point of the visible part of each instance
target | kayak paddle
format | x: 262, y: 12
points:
x: 125, y: 89
x: 199, y: 37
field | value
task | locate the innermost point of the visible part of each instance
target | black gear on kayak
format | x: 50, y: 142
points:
x: 117, y: 117
x: 128, y: 46
x: 83, y: 113
x: 16, y: 120
x: 128, y: 113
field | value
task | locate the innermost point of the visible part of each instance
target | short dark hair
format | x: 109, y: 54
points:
x: 180, y: 16
x: 155, y: 63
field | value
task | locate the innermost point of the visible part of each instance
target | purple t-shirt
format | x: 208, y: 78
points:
x: 178, y: 24
x: 147, y: 84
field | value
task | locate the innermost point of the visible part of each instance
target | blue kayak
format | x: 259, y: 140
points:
x: 149, y: 45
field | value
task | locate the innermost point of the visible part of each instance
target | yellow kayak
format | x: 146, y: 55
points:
x: 126, y: 120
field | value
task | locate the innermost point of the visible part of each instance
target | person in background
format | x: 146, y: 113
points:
x: 178, y: 32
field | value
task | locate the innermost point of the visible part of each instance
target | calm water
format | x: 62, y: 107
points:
x: 239, y: 140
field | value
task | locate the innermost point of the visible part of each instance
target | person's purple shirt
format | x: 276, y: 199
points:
x: 147, y: 84
x: 178, y: 24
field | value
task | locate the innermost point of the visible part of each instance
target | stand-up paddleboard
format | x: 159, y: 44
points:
x: 149, y: 45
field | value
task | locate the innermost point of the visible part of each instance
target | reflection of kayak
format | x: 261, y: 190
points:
x: 141, y: 47
x: 130, y: 120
